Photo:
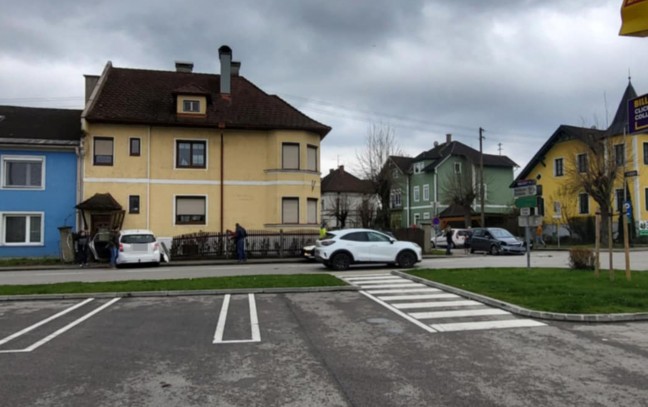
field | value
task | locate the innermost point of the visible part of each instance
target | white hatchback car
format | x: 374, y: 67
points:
x: 138, y: 246
x: 341, y: 248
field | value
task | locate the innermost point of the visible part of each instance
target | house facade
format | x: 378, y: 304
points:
x: 566, y: 155
x: 348, y: 201
x: 38, y: 180
x: 184, y: 152
x: 425, y: 191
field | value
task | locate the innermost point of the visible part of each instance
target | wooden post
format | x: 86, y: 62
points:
x: 597, y: 245
x: 626, y: 245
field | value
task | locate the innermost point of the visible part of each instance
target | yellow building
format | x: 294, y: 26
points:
x: 565, y: 156
x: 182, y: 152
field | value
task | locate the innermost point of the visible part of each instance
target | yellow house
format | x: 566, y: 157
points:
x: 565, y: 155
x: 182, y: 152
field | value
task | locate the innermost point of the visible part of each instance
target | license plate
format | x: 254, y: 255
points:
x: 140, y: 247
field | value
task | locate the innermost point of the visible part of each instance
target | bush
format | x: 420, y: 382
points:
x: 581, y: 259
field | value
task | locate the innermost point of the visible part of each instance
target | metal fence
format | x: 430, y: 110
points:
x: 258, y: 244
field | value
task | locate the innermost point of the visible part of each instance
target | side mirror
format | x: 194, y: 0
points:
x: 392, y: 240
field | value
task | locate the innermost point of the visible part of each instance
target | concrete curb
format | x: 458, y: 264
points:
x: 554, y: 316
x: 183, y: 293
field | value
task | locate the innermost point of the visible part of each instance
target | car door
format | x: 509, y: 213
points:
x: 479, y: 241
x: 358, y: 244
x: 382, y: 248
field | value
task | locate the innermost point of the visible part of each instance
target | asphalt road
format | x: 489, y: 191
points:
x: 639, y: 261
x: 313, y: 349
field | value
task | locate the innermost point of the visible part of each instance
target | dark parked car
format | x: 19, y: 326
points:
x: 495, y: 241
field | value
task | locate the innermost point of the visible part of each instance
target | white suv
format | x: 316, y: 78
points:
x: 341, y: 248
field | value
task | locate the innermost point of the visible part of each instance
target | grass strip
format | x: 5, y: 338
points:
x: 550, y: 289
x: 208, y: 283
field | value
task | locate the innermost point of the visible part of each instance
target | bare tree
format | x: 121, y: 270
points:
x: 366, y: 210
x: 380, y: 144
x: 597, y: 177
x: 339, y: 208
x: 459, y: 190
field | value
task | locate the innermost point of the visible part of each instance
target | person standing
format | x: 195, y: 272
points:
x: 239, y: 238
x: 538, y: 238
x: 82, y: 247
x: 322, y: 231
x: 113, y: 245
x: 448, y: 235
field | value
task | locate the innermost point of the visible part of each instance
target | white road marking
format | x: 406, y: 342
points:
x: 385, y: 277
x: 64, y: 329
x: 347, y: 276
x: 417, y: 297
x: 402, y: 314
x: 43, y: 322
x: 459, y: 313
x: 465, y: 326
x: 406, y: 290
x: 406, y: 285
x: 439, y: 304
x: 222, y: 319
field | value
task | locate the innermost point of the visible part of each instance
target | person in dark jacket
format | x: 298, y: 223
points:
x: 239, y: 238
x: 448, y: 235
x: 83, y: 240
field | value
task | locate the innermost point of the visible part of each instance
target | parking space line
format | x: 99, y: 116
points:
x: 69, y: 326
x: 222, y: 320
x: 43, y: 322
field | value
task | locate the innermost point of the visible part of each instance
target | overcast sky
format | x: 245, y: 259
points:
x: 517, y: 68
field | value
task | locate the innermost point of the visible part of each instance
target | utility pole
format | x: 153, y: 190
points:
x: 499, y: 148
x: 481, y: 177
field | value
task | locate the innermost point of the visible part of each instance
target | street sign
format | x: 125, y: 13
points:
x: 630, y: 173
x: 526, y: 202
x: 525, y: 211
x: 530, y: 221
x: 527, y: 190
x: 524, y: 182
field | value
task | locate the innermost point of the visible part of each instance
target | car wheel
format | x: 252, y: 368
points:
x: 433, y: 245
x: 406, y: 259
x: 494, y: 250
x: 341, y: 261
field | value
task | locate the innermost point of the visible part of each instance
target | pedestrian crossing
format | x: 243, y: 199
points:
x: 433, y: 309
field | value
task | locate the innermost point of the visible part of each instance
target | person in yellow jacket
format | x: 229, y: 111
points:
x: 322, y: 231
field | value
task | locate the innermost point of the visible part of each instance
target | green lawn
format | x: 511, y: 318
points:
x: 550, y: 289
x: 211, y: 283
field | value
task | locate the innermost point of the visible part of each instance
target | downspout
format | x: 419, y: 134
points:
x: 436, y: 193
x: 409, y: 206
x: 148, y: 181
x: 222, y: 179
x: 80, y: 153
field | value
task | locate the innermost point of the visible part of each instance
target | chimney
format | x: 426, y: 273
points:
x: 90, y: 83
x: 341, y: 168
x: 225, y: 56
x: 331, y: 170
x: 184, y: 66
x: 448, y: 138
x: 236, y: 67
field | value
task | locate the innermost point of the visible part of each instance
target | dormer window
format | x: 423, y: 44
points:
x: 191, y: 106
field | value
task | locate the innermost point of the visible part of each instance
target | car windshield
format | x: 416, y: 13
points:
x: 131, y: 239
x: 500, y: 233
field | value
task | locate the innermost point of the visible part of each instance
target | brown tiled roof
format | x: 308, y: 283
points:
x: 148, y: 97
x: 35, y: 123
x: 403, y: 163
x: 100, y: 202
x: 341, y: 181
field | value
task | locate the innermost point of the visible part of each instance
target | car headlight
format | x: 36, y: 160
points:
x: 327, y: 242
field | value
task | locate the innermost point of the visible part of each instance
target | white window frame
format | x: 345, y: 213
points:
x: 418, y: 167
x: 29, y: 215
x: 396, y: 200
x: 562, y: 167
x: 426, y: 192
x: 191, y: 105
x: 29, y: 158
x: 426, y: 215
x: 175, y: 209
x: 417, y: 193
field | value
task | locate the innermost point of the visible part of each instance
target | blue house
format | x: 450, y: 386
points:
x: 38, y: 179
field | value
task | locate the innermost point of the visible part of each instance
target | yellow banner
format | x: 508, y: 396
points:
x: 634, y: 18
